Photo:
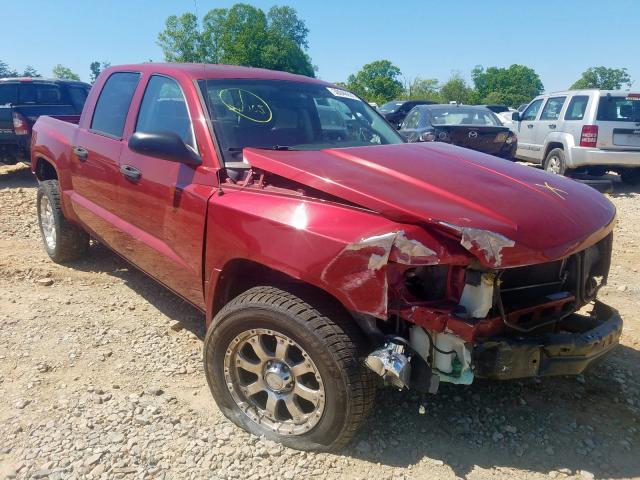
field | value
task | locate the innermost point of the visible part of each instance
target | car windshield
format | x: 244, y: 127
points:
x: 619, y: 109
x: 283, y: 115
x: 463, y: 116
x: 390, y: 107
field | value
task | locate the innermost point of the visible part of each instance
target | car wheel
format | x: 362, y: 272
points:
x: 281, y: 368
x: 62, y: 241
x: 554, y: 163
x: 631, y: 176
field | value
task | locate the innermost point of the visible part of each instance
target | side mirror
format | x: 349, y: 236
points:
x: 515, y: 116
x: 165, y: 145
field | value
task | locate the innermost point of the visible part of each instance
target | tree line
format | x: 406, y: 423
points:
x: 278, y: 39
x: 58, y: 71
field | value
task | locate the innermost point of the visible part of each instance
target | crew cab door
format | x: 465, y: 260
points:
x: 550, y: 121
x: 166, y: 201
x: 94, y: 160
x: 527, y: 147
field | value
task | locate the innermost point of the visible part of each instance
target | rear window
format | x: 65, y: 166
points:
x: 113, y: 104
x: 40, y: 94
x: 78, y: 96
x: 8, y: 93
x: 619, y: 109
x: 577, y: 107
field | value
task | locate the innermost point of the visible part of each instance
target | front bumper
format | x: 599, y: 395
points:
x: 580, y: 156
x: 584, y: 340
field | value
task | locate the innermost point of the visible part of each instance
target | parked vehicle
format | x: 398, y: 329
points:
x: 396, y: 110
x: 325, y: 262
x: 471, y: 127
x: 496, y: 108
x: 596, y: 130
x: 522, y: 106
x: 28, y: 98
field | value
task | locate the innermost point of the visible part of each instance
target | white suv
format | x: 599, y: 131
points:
x: 595, y: 130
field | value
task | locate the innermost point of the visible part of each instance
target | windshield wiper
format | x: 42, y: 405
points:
x: 277, y: 147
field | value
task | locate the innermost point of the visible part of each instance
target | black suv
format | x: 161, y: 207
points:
x: 396, y: 110
x: 23, y: 100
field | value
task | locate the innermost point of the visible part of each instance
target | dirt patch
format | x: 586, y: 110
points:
x: 100, y: 376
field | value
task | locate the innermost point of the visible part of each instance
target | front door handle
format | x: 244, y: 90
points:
x: 553, y: 125
x: 81, y: 153
x: 132, y: 173
x: 530, y: 125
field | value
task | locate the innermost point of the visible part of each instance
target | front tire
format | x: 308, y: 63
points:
x: 62, y: 241
x: 279, y: 367
x: 555, y: 162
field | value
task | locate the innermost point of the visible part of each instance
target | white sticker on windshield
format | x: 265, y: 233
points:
x: 342, y: 93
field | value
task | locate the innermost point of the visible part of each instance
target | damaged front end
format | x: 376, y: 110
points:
x: 454, y: 321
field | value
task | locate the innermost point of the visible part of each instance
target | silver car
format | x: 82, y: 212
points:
x: 596, y: 130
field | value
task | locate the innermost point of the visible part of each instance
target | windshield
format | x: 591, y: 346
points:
x: 286, y: 115
x: 463, y: 116
x: 390, y: 107
x: 619, y: 109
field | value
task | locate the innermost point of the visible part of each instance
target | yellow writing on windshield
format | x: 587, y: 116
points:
x: 246, y: 104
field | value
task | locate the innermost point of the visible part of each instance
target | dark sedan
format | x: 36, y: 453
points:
x: 396, y: 110
x: 476, y: 128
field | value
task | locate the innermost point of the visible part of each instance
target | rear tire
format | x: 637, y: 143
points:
x: 62, y: 241
x: 555, y: 163
x: 254, y: 394
x: 631, y: 176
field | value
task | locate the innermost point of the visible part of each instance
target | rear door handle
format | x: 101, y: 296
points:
x: 132, y: 173
x: 530, y: 125
x: 81, y: 153
x: 553, y: 125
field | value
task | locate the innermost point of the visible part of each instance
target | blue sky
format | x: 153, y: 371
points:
x: 559, y: 39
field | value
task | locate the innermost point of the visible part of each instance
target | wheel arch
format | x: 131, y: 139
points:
x: 44, y: 169
x: 240, y: 274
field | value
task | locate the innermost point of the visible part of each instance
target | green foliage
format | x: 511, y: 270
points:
x: 240, y: 35
x: 62, y: 72
x: 5, y: 71
x: 509, y: 86
x: 377, y: 82
x: 423, y: 89
x: 29, y: 71
x: 603, y: 78
x: 456, y: 90
x: 95, y: 68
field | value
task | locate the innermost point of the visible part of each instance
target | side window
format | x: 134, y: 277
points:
x: 532, y: 110
x: 551, y: 110
x: 412, y: 120
x: 8, y: 93
x: 78, y: 96
x: 577, y: 107
x: 39, y: 94
x: 113, y: 104
x: 164, y: 109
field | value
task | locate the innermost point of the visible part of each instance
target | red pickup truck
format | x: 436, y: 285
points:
x: 328, y: 255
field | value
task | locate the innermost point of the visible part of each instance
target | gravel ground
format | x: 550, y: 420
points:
x: 100, y: 377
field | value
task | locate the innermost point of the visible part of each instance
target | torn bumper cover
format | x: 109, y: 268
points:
x: 584, y: 340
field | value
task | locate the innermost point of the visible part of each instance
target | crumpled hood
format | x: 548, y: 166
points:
x: 537, y: 216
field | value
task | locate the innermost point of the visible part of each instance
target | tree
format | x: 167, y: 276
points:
x: 603, y: 78
x: 377, y: 82
x: 181, y: 40
x: 240, y: 35
x: 60, y: 71
x: 95, y: 68
x: 5, y: 71
x: 29, y: 71
x: 423, y: 89
x: 456, y: 90
x: 510, y: 86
